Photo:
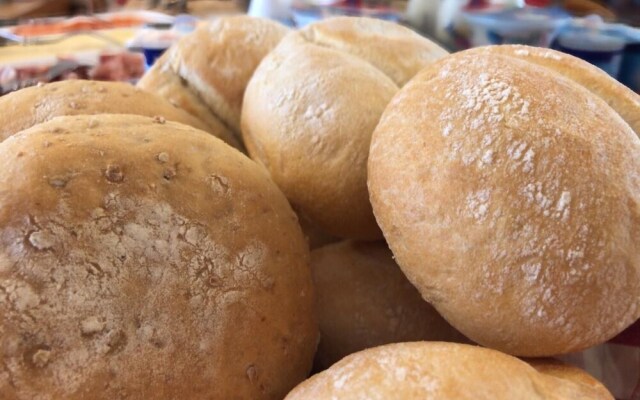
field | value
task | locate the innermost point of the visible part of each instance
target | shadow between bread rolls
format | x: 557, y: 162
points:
x: 364, y: 300
x: 144, y: 259
x: 510, y: 196
x: 312, y: 104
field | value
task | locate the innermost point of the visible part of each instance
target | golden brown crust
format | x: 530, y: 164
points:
x: 161, y: 80
x: 364, y: 300
x: 37, y: 104
x: 310, y: 109
x: 619, y: 97
x: 393, y: 49
x: 146, y: 260
x: 213, y: 65
x: 219, y: 58
x: 510, y: 197
x: 558, y: 369
x: 438, y: 371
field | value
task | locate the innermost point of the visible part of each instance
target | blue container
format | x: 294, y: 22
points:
x: 152, y: 54
x: 598, y: 48
x: 630, y: 68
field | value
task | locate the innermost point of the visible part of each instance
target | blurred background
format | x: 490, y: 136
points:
x: 46, y: 40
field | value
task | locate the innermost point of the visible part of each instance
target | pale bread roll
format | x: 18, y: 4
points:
x: 213, y: 65
x: 572, y: 373
x: 144, y: 260
x: 510, y: 198
x: 311, y: 106
x: 364, y: 300
x: 33, y: 105
x: 619, y: 97
x: 439, y: 371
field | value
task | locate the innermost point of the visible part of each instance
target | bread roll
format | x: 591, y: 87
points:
x: 562, y: 370
x: 311, y: 107
x: 619, y: 97
x: 364, y: 301
x: 207, y: 71
x: 439, y: 371
x: 30, y: 106
x: 143, y: 260
x: 510, y: 196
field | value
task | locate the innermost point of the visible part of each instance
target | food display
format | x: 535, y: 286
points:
x: 109, y: 65
x: 344, y: 211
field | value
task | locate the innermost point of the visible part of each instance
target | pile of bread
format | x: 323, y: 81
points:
x: 240, y: 213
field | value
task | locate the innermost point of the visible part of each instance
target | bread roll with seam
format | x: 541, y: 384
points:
x: 147, y: 260
x: 510, y: 197
x: 312, y: 104
x: 207, y: 71
x: 440, y: 371
x: 364, y: 300
x: 619, y: 97
x: 30, y: 106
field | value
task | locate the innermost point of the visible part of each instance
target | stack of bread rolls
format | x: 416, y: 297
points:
x: 490, y: 196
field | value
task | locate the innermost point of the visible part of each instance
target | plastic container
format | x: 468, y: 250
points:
x: 598, y: 48
x: 528, y: 25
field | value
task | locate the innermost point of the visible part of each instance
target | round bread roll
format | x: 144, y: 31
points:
x: 147, y: 260
x: 439, y: 371
x: 311, y: 106
x: 364, y: 301
x: 509, y: 196
x: 207, y: 71
x: 569, y: 372
x: 30, y: 106
x: 619, y: 97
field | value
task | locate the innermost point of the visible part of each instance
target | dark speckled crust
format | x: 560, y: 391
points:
x: 142, y: 259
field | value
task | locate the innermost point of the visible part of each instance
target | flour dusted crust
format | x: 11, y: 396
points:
x: 510, y: 198
x: 30, y: 106
x: 311, y: 106
x: 619, y: 97
x: 143, y: 259
x: 364, y: 300
x: 214, y: 63
x: 439, y: 371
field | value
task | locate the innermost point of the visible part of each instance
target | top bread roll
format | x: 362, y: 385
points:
x: 146, y: 260
x: 312, y: 104
x: 510, y: 197
x: 207, y: 71
x: 30, y: 106
x: 440, y: 371
x: 619, y: 97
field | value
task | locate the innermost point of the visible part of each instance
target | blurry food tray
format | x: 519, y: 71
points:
x: 50, y: 29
